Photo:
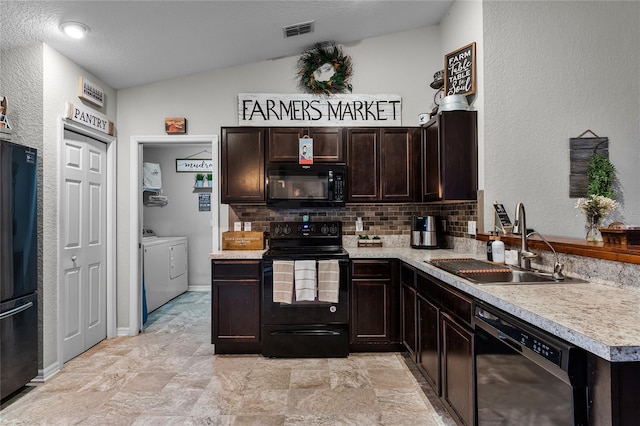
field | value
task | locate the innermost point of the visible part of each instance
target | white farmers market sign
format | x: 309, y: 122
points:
x: 89, y: 117
x: 272, y: 109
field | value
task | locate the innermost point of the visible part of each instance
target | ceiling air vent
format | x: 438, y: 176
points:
x: 298, y: 29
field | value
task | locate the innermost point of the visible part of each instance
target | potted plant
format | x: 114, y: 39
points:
x: 209, y: 179
x: 199, y: 180
x: 601, y: 195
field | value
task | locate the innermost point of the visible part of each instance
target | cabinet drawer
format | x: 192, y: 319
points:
x: 371, y: 269
x: 450, y: 300
x: 408, y: 276
x: 235, y: 269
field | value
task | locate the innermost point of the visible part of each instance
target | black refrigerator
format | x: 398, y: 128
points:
x: 18, y: 267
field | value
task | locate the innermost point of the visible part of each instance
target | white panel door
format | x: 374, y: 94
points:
x: 83, y: 243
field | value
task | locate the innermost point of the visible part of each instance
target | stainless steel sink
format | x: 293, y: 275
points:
x: 487, y: 273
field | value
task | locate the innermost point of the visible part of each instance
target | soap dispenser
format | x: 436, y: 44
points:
x: 497, y: 250
x: 492, y: 239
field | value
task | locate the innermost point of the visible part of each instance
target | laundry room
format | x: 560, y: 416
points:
x: 177, y: 215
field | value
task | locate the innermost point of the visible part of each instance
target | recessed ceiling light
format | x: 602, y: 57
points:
x: 74, y: 29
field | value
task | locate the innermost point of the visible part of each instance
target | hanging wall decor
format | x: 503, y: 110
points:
x: 460, y: 71
x: 173, y: 125
x: 581, y: 152
x: 324, y: 70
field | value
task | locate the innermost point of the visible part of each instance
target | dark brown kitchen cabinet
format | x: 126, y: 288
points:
x: 444, y: 343
x: 450, y: 157
x: 242, y: 176
x: 383, y: 164
x: 409, y: 310
x: 328, y: 144
x: 457, y: 369
x: 428, y: 356
x: 235, y: 313
x: 374, y: 305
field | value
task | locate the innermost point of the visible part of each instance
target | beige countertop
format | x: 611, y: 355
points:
x: 602, y: 319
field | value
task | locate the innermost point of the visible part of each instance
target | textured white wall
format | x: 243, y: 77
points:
x: 60, y: 85
x: 463, y: 25
x: 21, y: 83
x: 401, y: 63
x: 553, y: 70
x: 38, y: 80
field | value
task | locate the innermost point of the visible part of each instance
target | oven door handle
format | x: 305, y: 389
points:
x: 306, y: 333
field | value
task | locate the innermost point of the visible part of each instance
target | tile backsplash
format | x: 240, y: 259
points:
x: 378, y: 219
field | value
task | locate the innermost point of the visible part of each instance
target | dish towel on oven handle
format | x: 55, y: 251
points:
x: 305, y: 280
x: 283, y: 281
x: 328, y: 281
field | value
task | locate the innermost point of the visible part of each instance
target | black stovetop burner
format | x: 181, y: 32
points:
x: 305, y: 240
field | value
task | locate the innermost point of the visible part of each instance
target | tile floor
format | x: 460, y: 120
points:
x: 168, y: 375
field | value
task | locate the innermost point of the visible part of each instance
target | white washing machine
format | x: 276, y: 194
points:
x: 165, y: 268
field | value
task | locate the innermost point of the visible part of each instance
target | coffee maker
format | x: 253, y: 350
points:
x: 424, y: 234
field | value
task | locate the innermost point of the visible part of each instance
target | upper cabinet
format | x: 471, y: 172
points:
x: 242, y: 165
x: 328, y: 144
x: 450, y: 157
x: 383, y: 164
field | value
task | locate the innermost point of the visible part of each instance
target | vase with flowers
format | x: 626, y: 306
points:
x: 595, y: 208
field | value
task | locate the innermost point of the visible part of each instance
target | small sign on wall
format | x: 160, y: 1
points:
x: 204, y: 202
x: 460, y: 71
x: 190, y: 165
x: 90, y: 92
x: 89, y: 117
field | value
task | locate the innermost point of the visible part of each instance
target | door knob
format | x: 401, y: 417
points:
x: 73, y: 259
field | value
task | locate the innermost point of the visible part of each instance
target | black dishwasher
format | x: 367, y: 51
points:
x: 525, y: 376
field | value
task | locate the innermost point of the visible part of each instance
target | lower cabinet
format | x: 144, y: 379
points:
x: 235, y: 313
x: 457, y: 369
x: 409, y: 310
x: 428, y: 356
x: 375, y: 306
x: 443, y: 340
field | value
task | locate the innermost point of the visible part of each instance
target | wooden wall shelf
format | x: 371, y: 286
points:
x: 575, y: 246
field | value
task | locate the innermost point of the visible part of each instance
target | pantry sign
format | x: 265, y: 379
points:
x: 272, y: 109
x: 89, y: 117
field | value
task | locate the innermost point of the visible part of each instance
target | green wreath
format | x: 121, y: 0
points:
x: 327, y: 59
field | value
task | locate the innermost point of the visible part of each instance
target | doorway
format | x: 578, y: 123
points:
x: 139, y: 144
x: 85, y: 241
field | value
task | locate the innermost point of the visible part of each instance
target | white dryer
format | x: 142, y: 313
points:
x: 165, y: 269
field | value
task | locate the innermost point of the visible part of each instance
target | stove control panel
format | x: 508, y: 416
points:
x: 298, y: 230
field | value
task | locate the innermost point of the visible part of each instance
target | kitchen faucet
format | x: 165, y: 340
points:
x: 520, y: 227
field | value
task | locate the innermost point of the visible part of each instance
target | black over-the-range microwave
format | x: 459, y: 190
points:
x: 312, y: 185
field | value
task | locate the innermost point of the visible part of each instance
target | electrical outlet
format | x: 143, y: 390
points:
x: 471, y: 227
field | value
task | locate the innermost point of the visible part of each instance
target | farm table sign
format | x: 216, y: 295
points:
x: 272, y: 109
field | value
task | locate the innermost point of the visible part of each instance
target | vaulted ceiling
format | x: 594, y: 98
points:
x: 136, y: 42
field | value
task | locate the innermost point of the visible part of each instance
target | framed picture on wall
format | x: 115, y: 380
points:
x: 175, y: 125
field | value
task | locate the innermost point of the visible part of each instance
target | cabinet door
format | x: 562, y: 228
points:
x: 235, y: 314
x: 374, y: 302
x: 450, y: 156
x: 457, y: 369
x: 328, y: 144
x: 242, y: 165
x: 283, y: 145
x: 370, y: 319
x: 399, y: 163
x: 428, y: 342
x: 431, y: 163
x: 237, y: 317
x: 364, y: 170
x: 409, y: 320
